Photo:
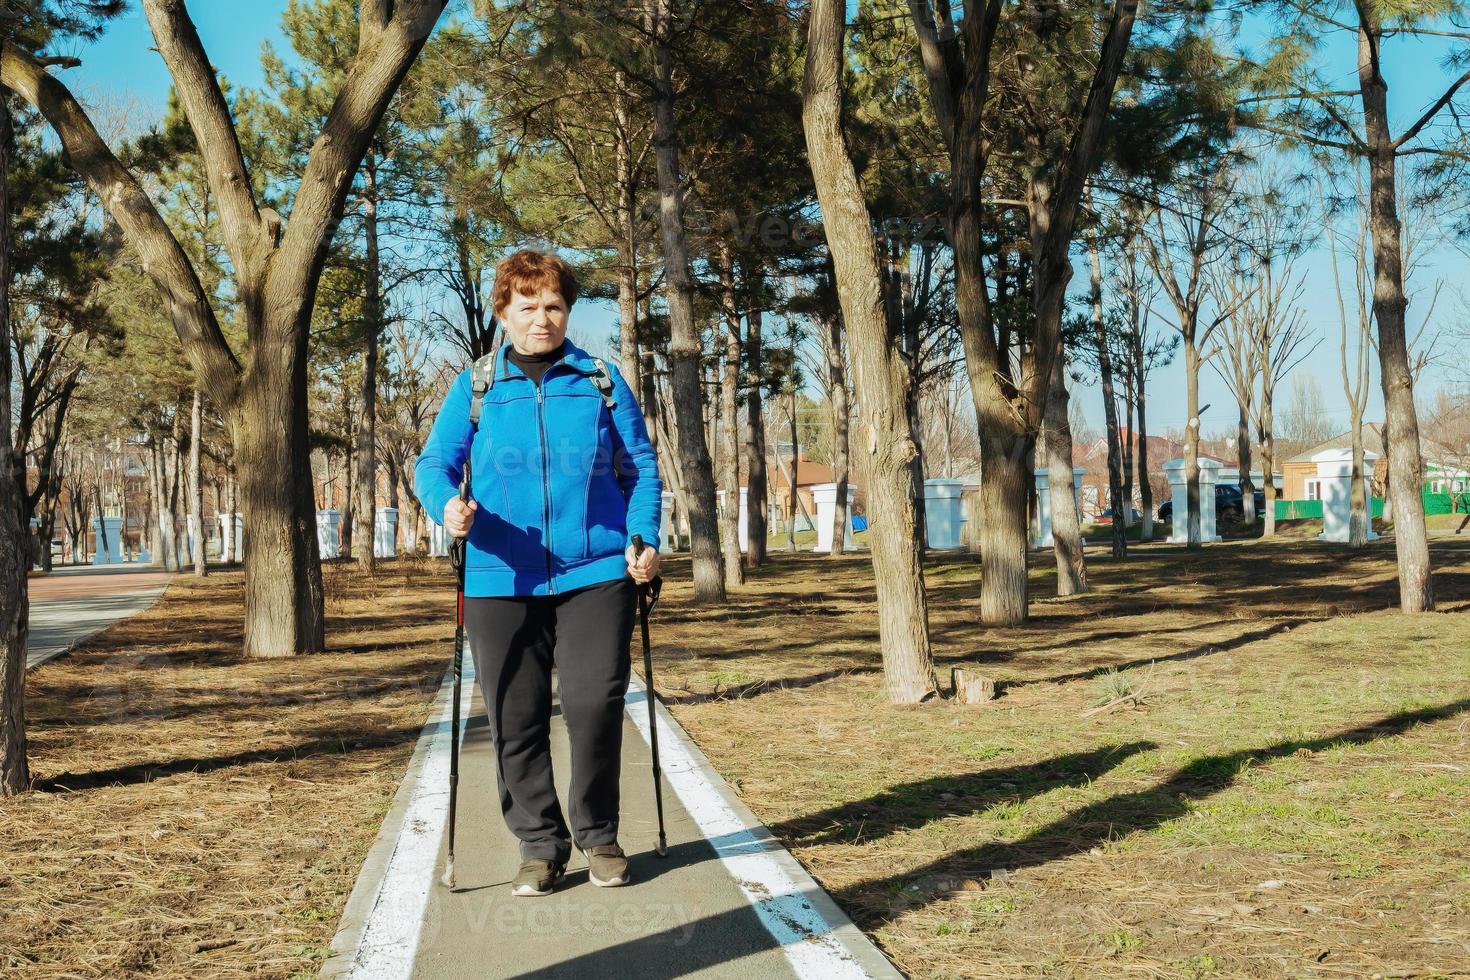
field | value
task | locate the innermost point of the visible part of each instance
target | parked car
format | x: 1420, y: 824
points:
x: 1106, y: 517
x: 1227, y: 502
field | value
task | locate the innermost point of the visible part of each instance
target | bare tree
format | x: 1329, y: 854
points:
x: 1356, y: 339
x: 729, y: 429
x: 1144, y: 350
x: 1270, y: 323
x: 1189, y: 237
x: 879, y: 375
x: 1240, y: 368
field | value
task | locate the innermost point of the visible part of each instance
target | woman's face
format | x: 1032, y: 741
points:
x: 536, y: 324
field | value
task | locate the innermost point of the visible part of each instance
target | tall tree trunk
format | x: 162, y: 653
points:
x: 729, y: 432
x: 878, y: 373
x: 365, y: 509
x: 1191, y: 442
x: 196, y: 483
x: 1243, y: 463
x: 1005, y: 486
x: 1405, y: 465
x: 229, y: 550
x: 1126, y: 432
x: 1145, y: 485
x: 837, y: 382
x: 15, y: 775
x: 794, y: 500
x: 104, y: 544
x: 48, y: 483
x: 165, y: 555
x: 348, y: 469
x: 755, y: 439
x: 1116, y: 499
x: 627, y: 212
x: 663, y: 445
x: 153, y: 519
x: 907, y: 332
x: 649, y: 402
x: 416, y: 542
x: 1358, y: 519
x: 48, y: 521
x: 1268, y: 454
x: 710, y: 384
x: 684, y: 344
x: 284, y: 611
x: 178, y: 525
x: 1066, y: 531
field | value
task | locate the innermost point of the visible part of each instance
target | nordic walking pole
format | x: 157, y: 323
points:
x: 456, y: 559
x: 647, y: 596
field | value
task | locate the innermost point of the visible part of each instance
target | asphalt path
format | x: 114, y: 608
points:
x: 71, y: 604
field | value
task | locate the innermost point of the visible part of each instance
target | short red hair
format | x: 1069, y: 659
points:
x: 529, y: 271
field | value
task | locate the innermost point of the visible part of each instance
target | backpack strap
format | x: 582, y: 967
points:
x: 603, y: 380
x: 482, y: 377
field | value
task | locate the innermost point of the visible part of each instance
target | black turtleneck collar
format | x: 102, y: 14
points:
x: 551, y: 355
x: 535, y: 365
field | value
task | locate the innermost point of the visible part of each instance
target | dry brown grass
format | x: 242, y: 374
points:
x: 1286, y: 800
x: 202, y: 815
x: 1293, y: 730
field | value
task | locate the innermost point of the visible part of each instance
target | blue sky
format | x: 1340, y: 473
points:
x: 121, y: 69
x: 121, y: 62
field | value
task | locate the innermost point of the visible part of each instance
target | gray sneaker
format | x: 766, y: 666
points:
x: 607, y: 866
x: 537, y: 876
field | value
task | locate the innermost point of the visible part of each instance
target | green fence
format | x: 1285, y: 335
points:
x: 1298, y: 510
x: 1434, y: 503
x: 1311, y: 510
x: 1447, y: 503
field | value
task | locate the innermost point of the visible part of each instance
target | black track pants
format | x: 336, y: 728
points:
x: 515, y: 641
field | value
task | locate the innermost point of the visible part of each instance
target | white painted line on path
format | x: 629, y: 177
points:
x: 819, y: 941
x: 403, y: 866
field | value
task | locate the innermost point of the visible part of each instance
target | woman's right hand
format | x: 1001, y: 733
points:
x: 458, y: 516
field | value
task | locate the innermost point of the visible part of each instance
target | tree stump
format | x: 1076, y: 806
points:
x: 970, y: 687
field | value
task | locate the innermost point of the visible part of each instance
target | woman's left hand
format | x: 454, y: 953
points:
x: 645, y: 567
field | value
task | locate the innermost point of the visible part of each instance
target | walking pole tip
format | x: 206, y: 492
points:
x: 447, y: 879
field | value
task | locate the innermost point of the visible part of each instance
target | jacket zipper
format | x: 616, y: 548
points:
x: 545, y: 478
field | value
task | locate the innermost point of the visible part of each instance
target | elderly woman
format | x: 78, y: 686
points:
x: 563, y: 476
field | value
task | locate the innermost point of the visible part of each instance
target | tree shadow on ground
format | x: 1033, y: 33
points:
x: 1203, y: 650
x: 912, y: 805
x: 757, y: 688
x: 335, y: 742
x: 127, y: 697
x: 1096, y: 823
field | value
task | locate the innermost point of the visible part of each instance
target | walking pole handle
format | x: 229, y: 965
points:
x: 651, y: 588
x: 457, y: 547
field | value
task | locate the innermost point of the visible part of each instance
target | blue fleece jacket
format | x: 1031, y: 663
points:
x: 562, y: 482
